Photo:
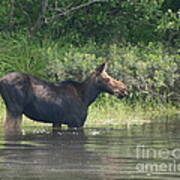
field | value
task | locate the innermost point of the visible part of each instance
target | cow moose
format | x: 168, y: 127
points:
x: 58, y: 103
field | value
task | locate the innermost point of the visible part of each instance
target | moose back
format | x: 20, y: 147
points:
x: 58, y: 103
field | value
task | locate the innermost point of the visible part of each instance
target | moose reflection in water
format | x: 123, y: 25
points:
x: 58, y: 103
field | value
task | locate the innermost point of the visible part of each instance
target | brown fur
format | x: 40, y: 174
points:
x: 58, y: 103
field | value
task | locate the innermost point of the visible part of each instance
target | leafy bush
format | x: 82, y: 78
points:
x: 110, y: 21
x: 152, y: 74
x: 72, y: 62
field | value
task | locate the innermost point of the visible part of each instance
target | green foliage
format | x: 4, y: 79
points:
x: 103, y: 22
x: 152, y: 75
x: 19, y: 54
x: 72, y: 62
x: 139, y: 38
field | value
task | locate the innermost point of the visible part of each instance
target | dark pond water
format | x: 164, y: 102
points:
x: 134, y: 151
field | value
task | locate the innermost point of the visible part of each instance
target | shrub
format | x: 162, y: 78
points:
x: 152, y: 74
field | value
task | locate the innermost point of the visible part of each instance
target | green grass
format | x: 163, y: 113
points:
x: 120, y: 114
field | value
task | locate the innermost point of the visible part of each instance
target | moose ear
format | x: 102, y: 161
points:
x: 102, y: 68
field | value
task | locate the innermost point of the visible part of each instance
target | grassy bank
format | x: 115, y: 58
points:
x: 117, y: 116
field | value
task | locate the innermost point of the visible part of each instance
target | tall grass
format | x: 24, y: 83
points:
x: 20, y: 54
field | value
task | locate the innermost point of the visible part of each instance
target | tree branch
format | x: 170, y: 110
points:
x: 11, y: 14
x: 26, y: 14
x: 40, y: 18
x: 67, y: 11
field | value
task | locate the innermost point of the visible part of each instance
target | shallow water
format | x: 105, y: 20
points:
x: 134, y: 151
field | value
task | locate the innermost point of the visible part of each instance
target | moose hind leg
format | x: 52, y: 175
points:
x: 13, y: 121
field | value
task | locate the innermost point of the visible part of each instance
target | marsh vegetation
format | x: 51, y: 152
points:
x: 66, y: 40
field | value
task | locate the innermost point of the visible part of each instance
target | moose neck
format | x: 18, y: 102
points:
x: 91, y: 91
